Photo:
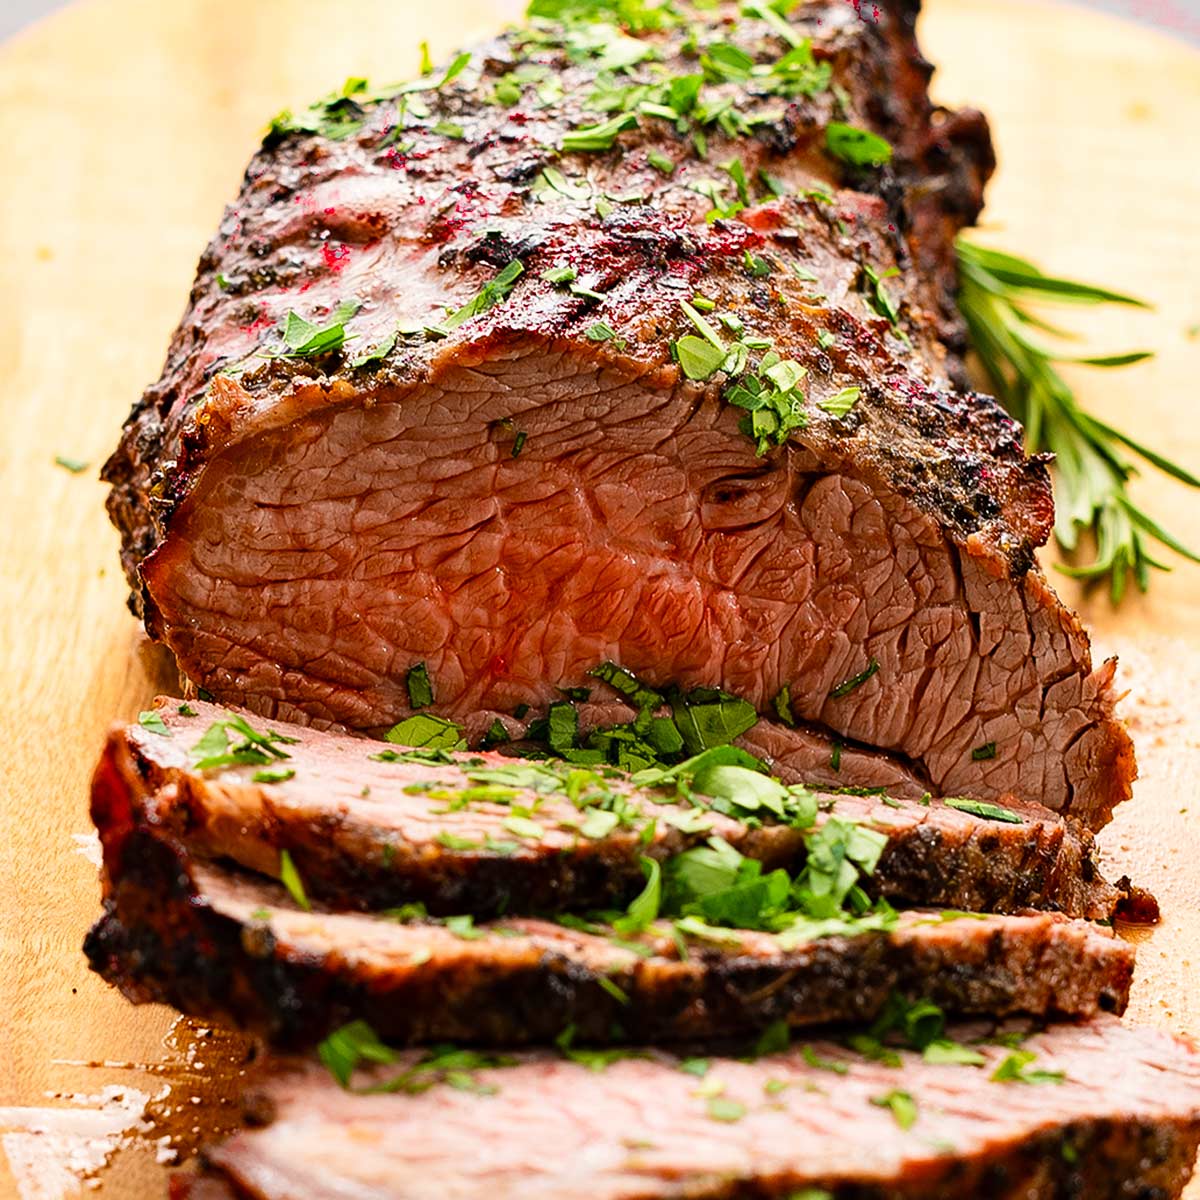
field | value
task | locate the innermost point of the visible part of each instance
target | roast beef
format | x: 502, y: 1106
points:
x: 370, y: 825
x: 230, y: 947
x: 436, y: 399
x: 1123, y: 1121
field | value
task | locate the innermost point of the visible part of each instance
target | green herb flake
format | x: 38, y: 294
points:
x: 463, y: 927
x: 75, y: 465
x: 902, y: 1105
x: 592, y: 138
x: 290, y: 878
x: 723, y: 1108
x: 643, y: 909
x: 982, y: 808
x: 600, y: 332
x: 420, y: 689
x: 613, y: 989
x: 452, y: 841
x: 304, y: 339
x: 273, y: 775
x: 984, y: 752
x: 783, y: 706
x: 698, y: 358
x: 186, y: 710
x: 945, y: 1051
x: 1017, y: 1068
x: 523, y: 827
x: 428, y: 732
x: 855, y: 681
x: 487, y: 297
x: 661, y: 162
x: 840, y: 403
x: 346, y: 1047
x: 152, y: 720
x: 858, y: 147
x: 560, y: 275
x: 519, y: 443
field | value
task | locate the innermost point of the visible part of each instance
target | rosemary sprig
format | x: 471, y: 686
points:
x: 1092, y: 471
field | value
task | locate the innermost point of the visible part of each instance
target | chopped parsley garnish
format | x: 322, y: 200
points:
x: 984, y: 752
x: 273, y: 775
x: 464, y: 927
x: 698, y: 358
x: 643, y: 909
x: 427, y: 732
x: 627, y: 684
x: 1017, y: 1068
x: 840, y: 403
x: 487, y: 297
x: 598, y: 137
x: 783, y: 705
x: 878, y: 297
x: 420, y: 689
x: 519, y: 443
x: 152, y: 720
x: 661, y: 162
x: 773, y: 399
x: 214, y: 749
x: 290, y: 878
x: 943, y: 1050
x: 74, y: 465
x: 982, y: 808
x: 557, y: 275
x: 858, y: 147
x: 855, y: 681
x: 303, y: 339
x: 832, y: 1065
x: 612, y: 989
x: 902, y: 1105
x: 186, y: 710
x: 452, y: 841
x: 450, y: 129
x: 724, y: 1108
x: 378, y: 354
x: 600, y: 332
x: 346, y: 1047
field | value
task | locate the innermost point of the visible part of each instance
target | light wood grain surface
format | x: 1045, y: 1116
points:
x: 126, y: 125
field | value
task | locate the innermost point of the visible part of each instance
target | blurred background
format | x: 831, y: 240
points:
x: 1181, y: 17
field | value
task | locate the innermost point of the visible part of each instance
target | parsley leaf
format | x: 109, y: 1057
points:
x: 152, y: 720
x: 487, y: 297
x: 840, y: 403
x: 290, y: 878
x: 420, y: 689
x: 982, y: 808
x: 643, y: 909
x: 427, y: 731
x: 855, y: 681
x: 598, y: 137
x: 902, y: 1105
x: 346, y: 1047
x: 858, y: 147
x: 306, y: 340
x: 1017, y: 1068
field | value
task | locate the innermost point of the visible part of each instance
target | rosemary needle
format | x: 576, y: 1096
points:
x: 1092, y: 467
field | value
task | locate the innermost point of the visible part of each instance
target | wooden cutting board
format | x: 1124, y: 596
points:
x: 126, y: 125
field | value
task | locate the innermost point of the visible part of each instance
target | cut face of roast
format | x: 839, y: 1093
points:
x: 366, y: 833
x: 645, y: 1127
x: 314, y: 565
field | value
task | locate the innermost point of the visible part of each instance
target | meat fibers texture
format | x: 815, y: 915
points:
x: 511, y: 478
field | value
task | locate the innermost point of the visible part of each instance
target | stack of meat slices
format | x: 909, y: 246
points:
x: 326, y: 889
x: 597, y: 393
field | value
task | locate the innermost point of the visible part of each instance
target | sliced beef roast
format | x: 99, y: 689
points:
x: 232, y: 947
x: 587, y: 350
x: 443, y: 827
x: 1116, y: 1116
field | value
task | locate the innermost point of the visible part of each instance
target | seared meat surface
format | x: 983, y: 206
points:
x: 366, y: 833
x: 513, y: 453
x: 645, y: 1127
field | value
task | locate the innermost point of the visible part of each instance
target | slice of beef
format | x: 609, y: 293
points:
x: 230, y: 947
x: 1123, y: 1123
x: 369, y: 834
x: 529, y: 486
